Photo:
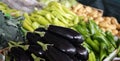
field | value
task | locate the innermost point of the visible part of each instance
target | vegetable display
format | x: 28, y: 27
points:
x: 55, y: 33
x: 98, y: 43
x: 53, y: 46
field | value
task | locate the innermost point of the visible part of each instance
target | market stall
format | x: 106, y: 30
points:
x: 60, y: 30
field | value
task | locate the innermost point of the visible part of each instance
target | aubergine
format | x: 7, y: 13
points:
x: 40, y: 29
x: 19, y: 54
x: 37, y: 50
x: 60, y: 43
x: 73, y: 36
x: 33, y: 38
x: 82, y: 53
x: 74, y: 58
x: 54, y: 54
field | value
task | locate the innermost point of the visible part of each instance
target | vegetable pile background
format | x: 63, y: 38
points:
x: 57, y: 32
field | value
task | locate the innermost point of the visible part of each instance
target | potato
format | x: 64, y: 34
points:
x: 114, y: 32
x: 112, y: 26
x: 104, y: 24
x: 88, y: 9
x: 114, y: 21
x: 99, y: 19
x: 118, y: 26
x: 118, y: 34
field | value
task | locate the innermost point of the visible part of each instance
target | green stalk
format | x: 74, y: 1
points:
x: 37, y: 58
x: 93, y: 45
x: 110, y: 37
x: 101, y: 38
x: 103, y: 52
x: 44, y: 46
x: 91, y: 27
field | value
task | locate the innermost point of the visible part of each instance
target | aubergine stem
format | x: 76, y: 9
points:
x: 44, y: 46
x: 37, y: 58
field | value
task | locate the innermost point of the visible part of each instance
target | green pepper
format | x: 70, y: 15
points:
x: 101, y: 38
x: 94, y: 46
x: 110, y: 37
x: 103, y: 52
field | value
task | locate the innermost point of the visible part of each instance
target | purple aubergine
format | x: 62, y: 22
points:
x: 40, y: 29
x: 54, y: 54
x: 82, y: 53
x: 37, y: 50
x: 60, y: 43
x: 73, y: 36
x: 33, y: 38
x: 19, y: 54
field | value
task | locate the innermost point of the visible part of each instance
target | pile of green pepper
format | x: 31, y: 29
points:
x: 54, y: 13
x: 100, y: 44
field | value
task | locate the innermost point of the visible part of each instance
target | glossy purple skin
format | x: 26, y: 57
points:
x: 73, y: 36
x: 60, y: 43
x: 32, y: 38
x: 37, y: 50
x: 55, y: 55
x: 19, y: 54
x: 82, y: 53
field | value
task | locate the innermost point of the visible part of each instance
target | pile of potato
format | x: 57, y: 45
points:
x: 105, y: 23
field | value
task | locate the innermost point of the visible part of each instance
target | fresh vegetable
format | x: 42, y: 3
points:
x: 33, y: 38
x: 55, y: 55
x: 18, y: 54
x: 36, y: 50
x: 10, y: 29
x: 81, y: 52
x: 92, y: 56
x: 73, y: 36
x: 60, y: 43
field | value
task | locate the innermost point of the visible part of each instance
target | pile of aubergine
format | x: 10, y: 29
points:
x: 52, y: 44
